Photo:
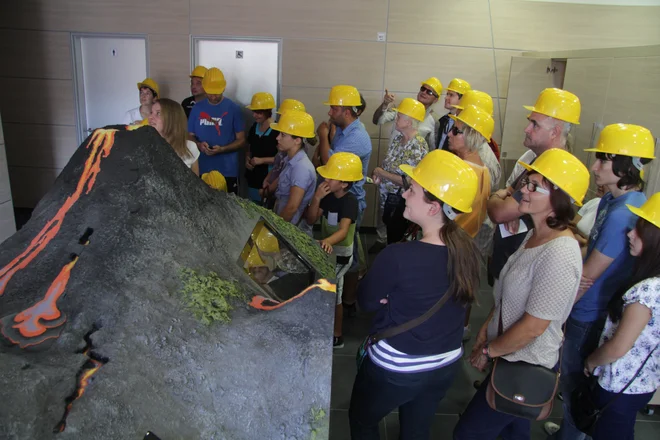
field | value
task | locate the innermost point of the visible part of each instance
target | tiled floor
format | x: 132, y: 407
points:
x: 343, y: 374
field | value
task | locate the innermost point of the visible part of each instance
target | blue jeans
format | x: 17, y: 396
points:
x: 481, y: 422
x: 618, y: 420
x: 356, y: 242
x: 580, y: 340
x: 376, y: 392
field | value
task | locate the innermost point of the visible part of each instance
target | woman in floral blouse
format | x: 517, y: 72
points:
x: 629, y: 351
x: 407, y: 147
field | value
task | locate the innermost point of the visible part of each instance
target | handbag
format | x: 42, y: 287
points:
x: 522, y: 389
x: 394, y: 206
x: 584, y: 409
x: 390, y: 332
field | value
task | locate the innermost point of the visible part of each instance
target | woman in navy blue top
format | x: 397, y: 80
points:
x: 413, y: 370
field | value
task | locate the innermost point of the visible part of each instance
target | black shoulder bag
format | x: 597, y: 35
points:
x: 390, y: 332
x: 584, y: 410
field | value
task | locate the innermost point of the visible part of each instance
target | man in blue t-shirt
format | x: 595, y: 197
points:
x: 216, y: 126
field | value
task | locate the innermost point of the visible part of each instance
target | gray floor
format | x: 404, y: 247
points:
x: 344, y: 370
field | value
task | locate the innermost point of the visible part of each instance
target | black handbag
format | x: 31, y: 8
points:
x: 520, y: 388
x: 395, y: 204
x: 390, y: 332
x: 584, y: 410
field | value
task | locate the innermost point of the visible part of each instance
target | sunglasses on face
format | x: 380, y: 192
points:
x: 427, y: 91
x: 534, y: 187
x: 456, y: 131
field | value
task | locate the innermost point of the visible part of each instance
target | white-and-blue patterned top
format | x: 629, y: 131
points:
x: 614, y: 377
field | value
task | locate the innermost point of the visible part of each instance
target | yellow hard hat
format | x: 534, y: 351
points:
x: 564, y: 170
x: 295, y: 123
x: 477, y: 98
x: 447, y: 177
x: 558, y: 104
x: 459, y: 86
x: 345, y: 96
x: 650, y: 211
x: 291, y: 104
x: 435, y: 85
x: 215, y: 180
x: 150, y: 83
x: 214, y: 82
x: 266, y: 241
x: 254, y: 259
x: 262, y: 101
x: 198, y: 72
x: 413, y: 108
x: 625, y: 140
x: 346, y: 167
x: 476, y: 118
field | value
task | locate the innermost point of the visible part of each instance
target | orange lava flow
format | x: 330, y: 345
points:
x: 101, y: 144
x: 263, y: 303
x: 28, y: 320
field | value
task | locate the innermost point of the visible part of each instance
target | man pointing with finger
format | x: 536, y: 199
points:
x: 428, y: 94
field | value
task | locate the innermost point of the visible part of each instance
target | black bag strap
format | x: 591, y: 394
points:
x: 390, y: 332
x: 632, y: 379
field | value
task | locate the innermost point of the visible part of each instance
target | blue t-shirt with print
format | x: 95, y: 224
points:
x: 608, y: 236
x: 355, y: 139
x: 217, y: 125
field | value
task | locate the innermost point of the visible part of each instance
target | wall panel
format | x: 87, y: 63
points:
x: 35, y: 54
x: 29, y: 185
x: 169, y: 58
x: 38, y: 145
x: 19, y: 98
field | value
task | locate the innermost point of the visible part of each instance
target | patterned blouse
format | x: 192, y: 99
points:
x: 614, y: 377
x: 398, y: 154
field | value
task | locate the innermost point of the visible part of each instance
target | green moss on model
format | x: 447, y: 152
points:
x: 208, y: 296
x: 318, y: 423
x: 307, y: 246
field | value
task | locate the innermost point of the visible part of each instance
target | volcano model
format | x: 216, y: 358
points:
x: 138, y: 299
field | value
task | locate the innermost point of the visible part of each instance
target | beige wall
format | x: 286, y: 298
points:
x: 324, y: 43
x: 7, y: 224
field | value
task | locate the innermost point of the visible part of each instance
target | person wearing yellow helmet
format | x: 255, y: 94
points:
x: 216, y: 125
x: 196, y: 89
x: 262, y: 144
x: 338, y: 209
x: 455, y: 90
x: 149, y: 92
x: 407, y: 146
x: 626, y: 360
x: 550, y: 122
x: 296, y: 184
x: 429, y: 93
x: 621, y: 150
x: 418, y: 291
x: 532, y: 300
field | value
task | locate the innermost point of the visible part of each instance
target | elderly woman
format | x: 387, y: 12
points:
x: 406, y: 147
x: 297, y: 181
x: 169, y: 120
x: 534, y: 293
x: 149, y: 93
x: 411, y: 362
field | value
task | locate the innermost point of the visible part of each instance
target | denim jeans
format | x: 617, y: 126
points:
x: 481, y: 422
x: 618, y: 420
x: 356, y: 242
x: 377, y: 391
x: 580, y: 340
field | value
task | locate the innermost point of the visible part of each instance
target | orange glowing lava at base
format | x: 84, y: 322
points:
x: 263, y: 303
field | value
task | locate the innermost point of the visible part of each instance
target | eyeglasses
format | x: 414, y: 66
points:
x: 456, y: 131
x: 534, y: 187
x: 427, y: 91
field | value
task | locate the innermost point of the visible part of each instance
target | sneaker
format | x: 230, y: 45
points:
x: 350, y: 310
x: 550, y: 428
x: 338, y: 342
x: 466, y: 333
x: 376, y: 247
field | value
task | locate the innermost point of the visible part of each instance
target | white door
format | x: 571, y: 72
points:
x: 249, y: 66
x: 107, y: 72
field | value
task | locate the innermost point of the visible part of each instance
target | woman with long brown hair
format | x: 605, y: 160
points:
x: 419, y: 291
x: 169, y: 119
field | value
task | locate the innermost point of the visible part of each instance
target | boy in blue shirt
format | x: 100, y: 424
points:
x: 338, y: 209
x: 216, y: 126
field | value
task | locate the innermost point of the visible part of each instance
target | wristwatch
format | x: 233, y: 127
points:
x: 485, y: 352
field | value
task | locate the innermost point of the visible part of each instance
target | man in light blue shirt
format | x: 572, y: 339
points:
x: 350, y: 137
